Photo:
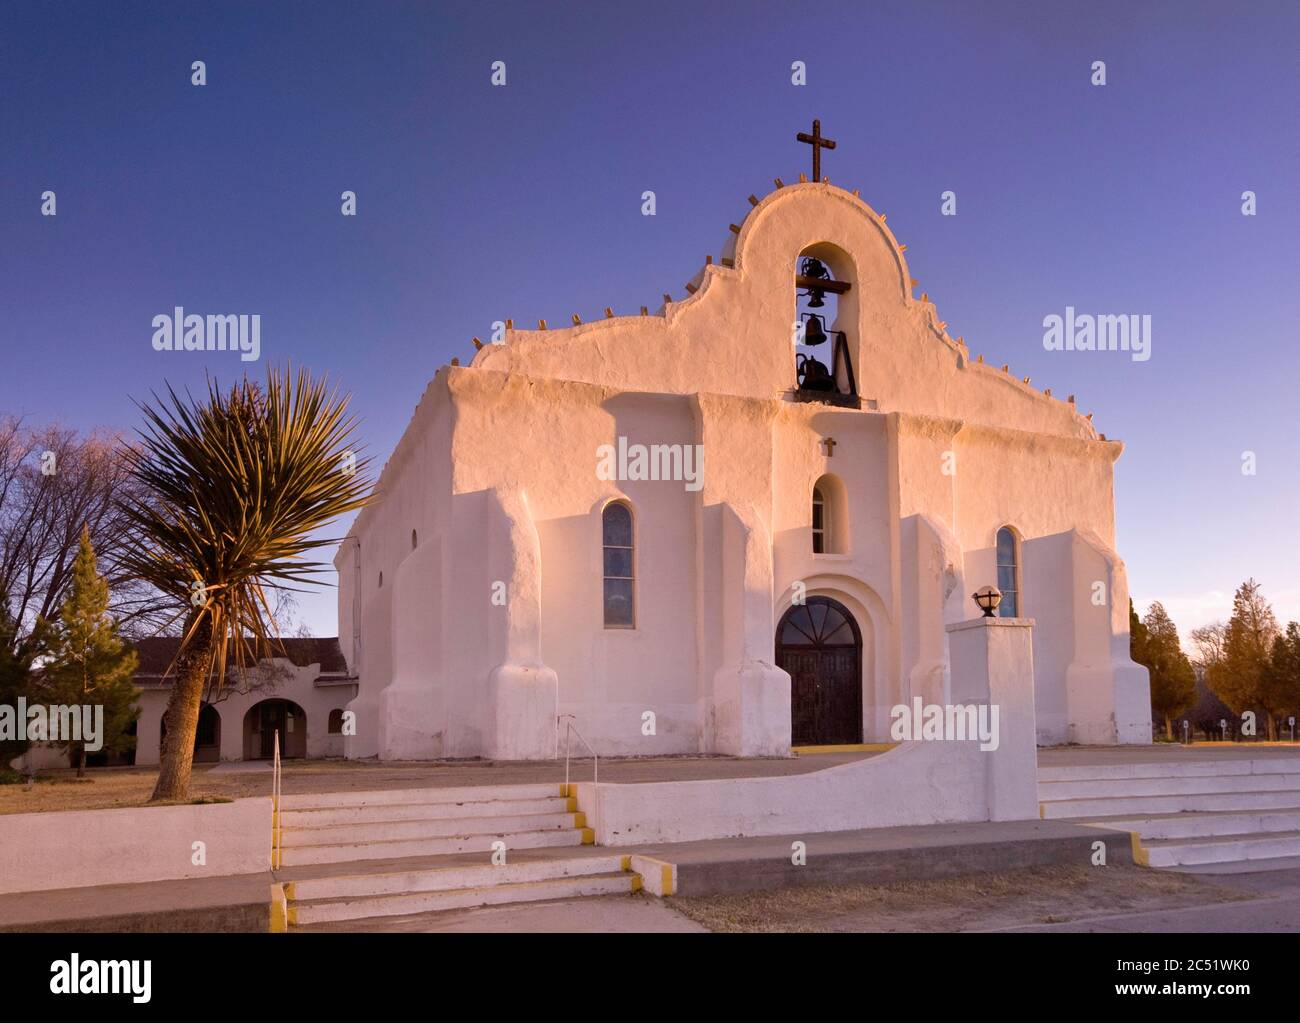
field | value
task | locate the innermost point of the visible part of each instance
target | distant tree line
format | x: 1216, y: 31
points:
x: 66, y: 603
x: 1246, y: 666
x: 70, y: 605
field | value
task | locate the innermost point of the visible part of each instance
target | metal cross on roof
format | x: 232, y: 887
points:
x: 818, y: 143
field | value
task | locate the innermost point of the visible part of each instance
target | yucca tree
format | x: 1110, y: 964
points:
x: 235, y: 485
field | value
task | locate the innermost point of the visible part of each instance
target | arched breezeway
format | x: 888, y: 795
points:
x: 268, y: 717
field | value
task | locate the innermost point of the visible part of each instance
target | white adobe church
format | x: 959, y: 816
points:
x: 743, y: 522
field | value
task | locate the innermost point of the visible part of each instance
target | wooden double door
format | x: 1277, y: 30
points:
x: 269, y: 717
x: 819, y: 644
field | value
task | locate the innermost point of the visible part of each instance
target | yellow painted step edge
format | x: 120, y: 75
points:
x: 649, y: 863
x: 279, y: 909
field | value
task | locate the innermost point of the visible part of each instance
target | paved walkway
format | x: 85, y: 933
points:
x: 1163, y: 753
x: 630, y: 770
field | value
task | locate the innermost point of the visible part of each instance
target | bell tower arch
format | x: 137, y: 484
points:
x: 824, y: 370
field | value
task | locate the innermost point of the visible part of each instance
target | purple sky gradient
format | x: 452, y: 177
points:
x: 479, y: 203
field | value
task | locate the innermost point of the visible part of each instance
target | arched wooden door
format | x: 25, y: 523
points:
x: 268, y: 717
x: 819, y: 644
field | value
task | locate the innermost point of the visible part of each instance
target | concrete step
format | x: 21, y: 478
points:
x: 293, y: 856
x: 1100, y: 788
x: 1218, y: 767
x: 1128, y: 806
x: 451, y: 878
x: 1259, y: 866
x: 322, y: 816
x: 1203, y: 825
x: 420, y: 796
x: 364, y: 907
x: 1177, y: 852
x: 448, y: 827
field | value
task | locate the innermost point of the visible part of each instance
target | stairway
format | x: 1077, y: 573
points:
x: 1187, y: 813
x: 403, y: 892
x: 393, y: 853
x: 346, y: 826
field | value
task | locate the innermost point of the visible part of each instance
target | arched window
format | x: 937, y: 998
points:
x: 821, y: 527
x: 414, y: 540
x: 619, y: 562
x: 336, y: 721
x: 1009, y: 572
x: 830, y: 516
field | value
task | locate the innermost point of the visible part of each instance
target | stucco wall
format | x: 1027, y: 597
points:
x: 82, y: 848
x: 944, y: 451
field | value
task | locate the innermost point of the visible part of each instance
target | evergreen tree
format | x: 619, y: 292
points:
x: 1238, y: 677
x: 1281, y: 682
x: 89, y: 664
x: 1173, y: 681
x: 1137, y: 636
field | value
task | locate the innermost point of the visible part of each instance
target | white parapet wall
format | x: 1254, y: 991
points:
x: 938, y: 780
x: 916, y: 783
x: 83, y: 848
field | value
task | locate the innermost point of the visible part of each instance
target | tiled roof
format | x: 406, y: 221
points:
x: 157, y: 653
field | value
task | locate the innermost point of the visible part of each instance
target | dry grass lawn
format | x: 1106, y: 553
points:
x: 108, y: 787
x: 971, y: 902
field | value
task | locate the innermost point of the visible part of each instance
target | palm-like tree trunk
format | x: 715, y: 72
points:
x: 182, y: 717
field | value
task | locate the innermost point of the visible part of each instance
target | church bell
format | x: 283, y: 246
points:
x: 814, y: 333
x: 814, y: 269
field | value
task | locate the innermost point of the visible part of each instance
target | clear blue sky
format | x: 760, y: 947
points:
x: 479, y: 203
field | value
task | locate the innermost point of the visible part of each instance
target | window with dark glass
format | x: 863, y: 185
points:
x: 336, y: 722
x: 820, y: 526
x: 616, y: 526
x: 1008, y: 573
x: 205, y: 733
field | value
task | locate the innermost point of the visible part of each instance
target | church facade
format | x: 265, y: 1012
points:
x: 735, y: 524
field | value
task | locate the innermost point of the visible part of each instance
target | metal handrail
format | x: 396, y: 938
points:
x: 570, y: 730
x: 277, y: 828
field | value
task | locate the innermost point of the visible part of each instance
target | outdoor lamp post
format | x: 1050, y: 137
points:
x: 987, y: 599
